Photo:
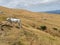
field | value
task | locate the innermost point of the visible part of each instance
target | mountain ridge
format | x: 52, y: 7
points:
x: 54, y: 12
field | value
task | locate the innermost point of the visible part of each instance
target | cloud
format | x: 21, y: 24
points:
x: 30, y: 4
x: 14, y: 3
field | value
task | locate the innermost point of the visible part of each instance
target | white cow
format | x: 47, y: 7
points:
x: 15, y: 20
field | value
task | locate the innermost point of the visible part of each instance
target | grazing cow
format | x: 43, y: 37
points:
x: 15, y: 20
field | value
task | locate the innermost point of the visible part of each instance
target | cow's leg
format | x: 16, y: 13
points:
x: 11, y: 23
x: 19, y: 23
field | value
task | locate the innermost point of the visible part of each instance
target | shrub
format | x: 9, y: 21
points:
x: 55, y: 28
x: 43, y: 27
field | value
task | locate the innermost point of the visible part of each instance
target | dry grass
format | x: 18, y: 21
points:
x: 29, y: 34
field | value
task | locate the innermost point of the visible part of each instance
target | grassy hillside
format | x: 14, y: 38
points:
x: 31, y: 32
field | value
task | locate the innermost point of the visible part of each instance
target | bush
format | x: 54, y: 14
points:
x: 55, y: 28
x: 43, y: 27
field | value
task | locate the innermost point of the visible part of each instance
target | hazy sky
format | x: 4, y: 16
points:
x: 33, y: 5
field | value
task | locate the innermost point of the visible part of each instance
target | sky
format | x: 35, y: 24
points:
x: 32, y: 5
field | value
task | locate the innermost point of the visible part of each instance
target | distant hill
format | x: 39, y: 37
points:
x: 54, y: 11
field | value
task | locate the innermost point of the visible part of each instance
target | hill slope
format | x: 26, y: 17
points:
x: 29, y: 34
